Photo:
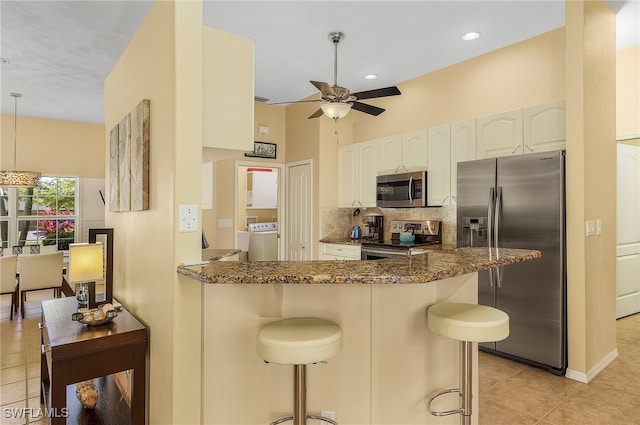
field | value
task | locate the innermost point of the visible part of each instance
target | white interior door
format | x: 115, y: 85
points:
x: 628, y: 249
x: 299, y: 191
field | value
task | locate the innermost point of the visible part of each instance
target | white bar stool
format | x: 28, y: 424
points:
x: 466, y: 323
x: 298, y: 342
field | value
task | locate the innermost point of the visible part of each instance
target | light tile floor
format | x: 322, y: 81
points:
x: 20, y: 362
x: 515, y: 394
x: 510, y: 393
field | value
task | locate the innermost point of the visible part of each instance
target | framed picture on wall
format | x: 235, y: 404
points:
x: 263, y: 150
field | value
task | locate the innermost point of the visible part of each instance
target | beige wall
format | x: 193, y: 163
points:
x: 591, y: 182
x: 53, y: 147
x: 272, y: 116
x: 628, y: 91
x: 163, y: 63
x: 523, y: 74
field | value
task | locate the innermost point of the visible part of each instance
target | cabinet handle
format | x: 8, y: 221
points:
x: 45, y: 348
x: 353, y: 203
x: 529, y: 147
x: 516, y: 149
x: 445, y: 198
x: 41, y: 325
x: 339, y: 249
x: 454, y: 199
x: 359, y: 203
x: 397, y: 168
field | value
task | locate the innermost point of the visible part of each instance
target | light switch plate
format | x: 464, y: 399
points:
x: 590, y: 227
x: 225, y: 222
x: 188, y: 219
x: 598, y: 227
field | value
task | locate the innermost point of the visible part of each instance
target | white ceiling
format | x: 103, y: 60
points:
x: 60, y: 52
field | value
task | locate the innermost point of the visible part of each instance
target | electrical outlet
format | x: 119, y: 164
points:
x: 224, y: 222
x: 598, y: 227
x: 591, y: 227
x: 329, y: 414
x: 188, y: 219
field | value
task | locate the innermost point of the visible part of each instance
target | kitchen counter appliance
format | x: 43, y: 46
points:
x: 375, y: 226
x: 519, y: 202
x: 402, y: 190
x: 426, y: 232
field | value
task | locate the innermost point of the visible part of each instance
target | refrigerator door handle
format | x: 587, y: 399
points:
x: 497, y: 213
x: 490, y: 216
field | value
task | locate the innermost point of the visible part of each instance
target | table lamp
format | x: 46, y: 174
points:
x: 85, y: 267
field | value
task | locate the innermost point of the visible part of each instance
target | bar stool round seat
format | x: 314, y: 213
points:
x: 298, y: 342
x: 466, y: 323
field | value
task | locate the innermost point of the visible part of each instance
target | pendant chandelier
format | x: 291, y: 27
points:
x: 18, y: 178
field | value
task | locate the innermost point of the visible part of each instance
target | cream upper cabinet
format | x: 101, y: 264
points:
x: 500, y: 135
x: 390, y: 154
x: 228, y: 74
x: 357, y: 170
x: 347, y: 180
x: 414, y: 150
x: 544, y: 127
x: 438, y: 166
x: 463, y: 148
x: 403, y: 153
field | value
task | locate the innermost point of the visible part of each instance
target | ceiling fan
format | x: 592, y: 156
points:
x: 339, y: 100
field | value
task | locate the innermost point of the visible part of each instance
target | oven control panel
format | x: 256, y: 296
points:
x: 421, y: 227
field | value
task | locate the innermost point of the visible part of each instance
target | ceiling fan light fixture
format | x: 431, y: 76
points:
x: 336, y: 110
x: 18, y: 178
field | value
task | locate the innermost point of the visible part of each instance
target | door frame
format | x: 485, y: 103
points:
x: 288, y: 166
x: 281, y: 199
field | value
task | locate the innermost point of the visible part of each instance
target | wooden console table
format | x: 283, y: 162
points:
x: 73, y: 352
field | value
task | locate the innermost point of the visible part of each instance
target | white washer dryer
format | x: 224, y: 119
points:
x: 263, y: 241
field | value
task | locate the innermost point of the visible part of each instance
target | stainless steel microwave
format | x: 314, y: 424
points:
x: 404, y: 190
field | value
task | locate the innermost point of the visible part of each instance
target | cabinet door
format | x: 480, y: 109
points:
x: 463, y: 148
x: 390, y: 154
x: 438, y: 156
x: 414, y: 150
x: 347, y: 177
x: 264, y: 189
x: 544, y: 127
x: 500, y: 135
x: 368, y: 159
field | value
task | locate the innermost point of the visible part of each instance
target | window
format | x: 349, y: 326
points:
x: 44, y: 215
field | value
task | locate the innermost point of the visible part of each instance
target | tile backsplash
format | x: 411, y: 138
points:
x: 336, y: 223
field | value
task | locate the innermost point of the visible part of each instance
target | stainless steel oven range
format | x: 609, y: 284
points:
x: 426, y: 232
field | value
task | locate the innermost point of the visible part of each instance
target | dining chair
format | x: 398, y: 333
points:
x: 9, y: 282
x: 38, y: 272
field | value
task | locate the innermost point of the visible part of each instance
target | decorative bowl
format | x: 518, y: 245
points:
x: 87, y: 394
x: 407, y: 237
x: 94, y: 316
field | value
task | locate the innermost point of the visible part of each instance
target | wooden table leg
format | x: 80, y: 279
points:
x: 139, y: 384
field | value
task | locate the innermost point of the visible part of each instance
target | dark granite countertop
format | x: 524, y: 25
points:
x: 420, y: 268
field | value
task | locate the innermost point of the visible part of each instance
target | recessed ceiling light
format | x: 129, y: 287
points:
x: 371, y: 76
x: 471, y: 36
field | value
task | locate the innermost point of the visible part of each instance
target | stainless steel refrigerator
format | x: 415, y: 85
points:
x: 519, y: 202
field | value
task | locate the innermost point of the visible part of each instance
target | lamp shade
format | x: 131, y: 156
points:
x: 85, y: 262
x: 336, y: 110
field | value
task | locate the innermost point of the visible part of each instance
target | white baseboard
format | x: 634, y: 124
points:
x: 588, y: 377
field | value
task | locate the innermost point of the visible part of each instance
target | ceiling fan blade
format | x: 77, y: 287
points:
x: 383, y: 92
x: 367, y: 109
x: 324, y: 88
x: 316, y: 114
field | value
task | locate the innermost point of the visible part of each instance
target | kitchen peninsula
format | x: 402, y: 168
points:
x: 390, y: 361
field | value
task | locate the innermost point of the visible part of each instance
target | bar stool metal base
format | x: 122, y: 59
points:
x: 300, y: 415
x: 466, y: 369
